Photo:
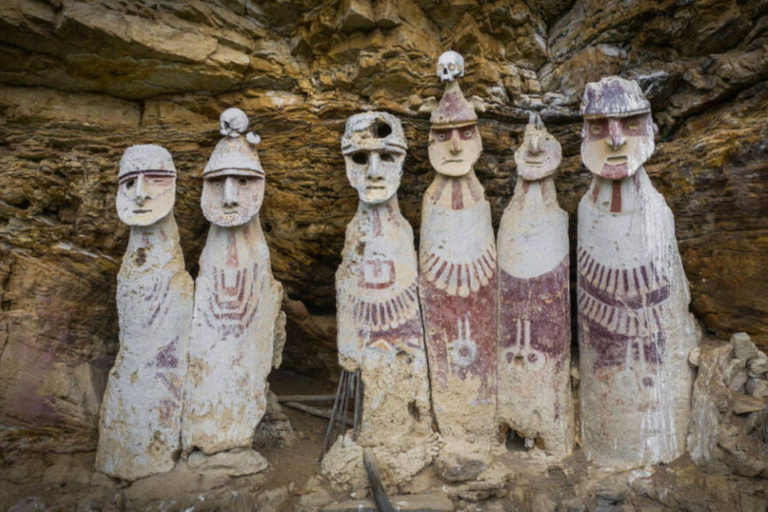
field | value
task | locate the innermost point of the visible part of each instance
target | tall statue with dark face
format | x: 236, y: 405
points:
x: 457, y: 284
x: 237, y: 303
x: 635, y: 331
x: 141, y: 411
x: 380, y: 331
x: 534, y: 303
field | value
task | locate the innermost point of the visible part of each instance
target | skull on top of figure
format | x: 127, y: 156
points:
x: 450, y: 65
x: 233, y: 178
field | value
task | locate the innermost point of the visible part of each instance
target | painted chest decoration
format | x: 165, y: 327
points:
x: 635, y: 331
x: 141, y: 411
x: 534, y: 302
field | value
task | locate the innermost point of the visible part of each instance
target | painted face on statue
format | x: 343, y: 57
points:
x: 539, y: 155
x: 375, y: 174
x: 144, y: 198
x: 615, y: 148
x: 232, y: 199
x: 454, y: 151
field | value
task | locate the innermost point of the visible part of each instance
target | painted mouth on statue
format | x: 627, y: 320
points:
x: 534, y: 162
x: 615, y: 171
x: 375, y: 187
x: 454, y: 161
x: 615, y: 160
x: 138, y: 212
x: 229, y: 212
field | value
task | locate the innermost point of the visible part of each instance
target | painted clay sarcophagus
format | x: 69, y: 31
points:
x: 635, y: 331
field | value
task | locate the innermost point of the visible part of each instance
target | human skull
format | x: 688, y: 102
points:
x: 450, y: 65
x: 233, y: 122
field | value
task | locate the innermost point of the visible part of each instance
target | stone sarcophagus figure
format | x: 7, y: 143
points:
x: 141, y: 410
x: 237, y: 302
x: 635, y: 331
x: 380, y: 329
x: 457, y: 286
x: 534, y: 398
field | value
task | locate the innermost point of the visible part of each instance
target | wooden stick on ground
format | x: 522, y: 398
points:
x: 374, y: 476
x: 306, y: 398
x: 323, y: 413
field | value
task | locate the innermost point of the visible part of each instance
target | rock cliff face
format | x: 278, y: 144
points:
x: 80, y: 81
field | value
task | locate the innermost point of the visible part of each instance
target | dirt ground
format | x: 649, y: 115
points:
x: 518, y: 480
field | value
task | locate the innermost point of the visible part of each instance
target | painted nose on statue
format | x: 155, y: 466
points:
x: 141, y: 190
x: 616, y: 137
x: 455, y: 147
x: 535, y: 147
x: 374, y: 167
x: 230, y: 192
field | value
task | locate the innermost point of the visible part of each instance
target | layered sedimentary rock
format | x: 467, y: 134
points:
x: 534, y: 398
x: 140, y: 424
x: 237, y: 302
x: 81, y: 81
x: 379, y: 317
x: 457, y: 287
x: 635, y: 331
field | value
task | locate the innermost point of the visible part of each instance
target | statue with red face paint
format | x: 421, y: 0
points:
x: 237, y: 303
x: 457, y: 286
x: 140, y: 419
x: 534, y: 302
x: 635, y: 331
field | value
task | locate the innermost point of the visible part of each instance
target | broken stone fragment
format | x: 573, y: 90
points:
x: 757, y: 387
x: 238, y: 462
x: 735, y: 375
x: 693, y: 357
x: 758, y: 365
x: 742, y: 345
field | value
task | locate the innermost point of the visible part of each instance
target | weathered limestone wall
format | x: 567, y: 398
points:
x: 81, y: 81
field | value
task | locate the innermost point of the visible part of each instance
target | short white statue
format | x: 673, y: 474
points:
x: 534, y: 303
x: 379, y: 319
x: 141, y: 411
x: 457, y: 285
x: 635, y: 331
x: 237, y: 301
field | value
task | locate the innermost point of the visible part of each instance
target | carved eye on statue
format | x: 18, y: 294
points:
x: 441, y: 136
x: 360, y: 158
x: 130, y: 183
x: 595, y: 129
x: 387, y: 157
x: 467, y: 132
x: 242, y: 182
